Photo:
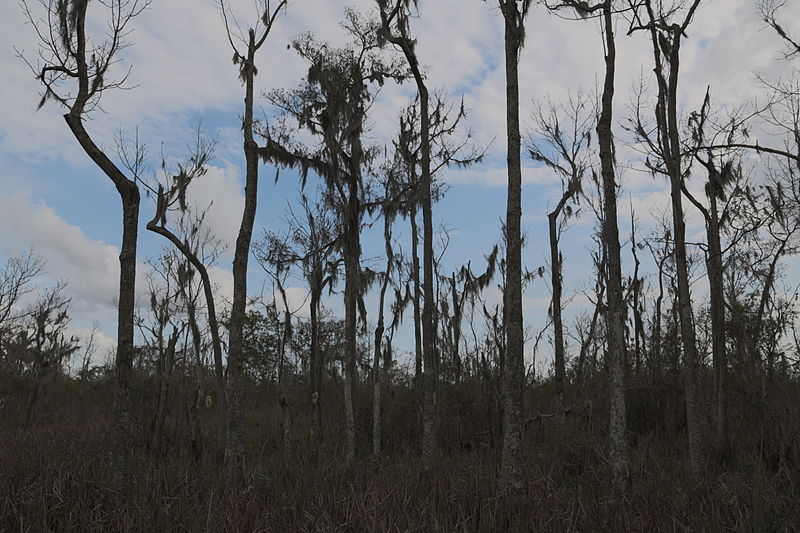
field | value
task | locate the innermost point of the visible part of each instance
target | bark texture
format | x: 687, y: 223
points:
x: 513, y: 475
x: 615, y: 315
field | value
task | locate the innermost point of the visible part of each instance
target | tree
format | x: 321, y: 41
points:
x: 17, y: 278
x: 666, y: 36
x: 164, y: 300
x: 310, y: 245
x: 74, y: 70
x: 564, y: 151
x: 615, y: 315
x: 394, y: 28
x: 770, y: 13
x: 246, y: 61
x: 193, y: 241
x: 45, y: 342
x: 724, y: 188
x: 332, y: 105
x: 512, y: 478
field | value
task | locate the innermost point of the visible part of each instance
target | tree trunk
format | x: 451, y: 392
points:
x: 714, y: 267
x: 316, y: 377
x: 351, y: 289
x: 417, y: 298
x: 287, y: 425
x: 165, y: 364
x: 376, y: 363
x: 558, y: 326
x: 636, y: 306
x: 673, y: 163
x: 615, y: 316
x: 235, y: 453
x: 513, y: 475
x: 129, y: 194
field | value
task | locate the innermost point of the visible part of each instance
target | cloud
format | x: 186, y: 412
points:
x: 90, y: 267
x: 498, y: 176
x: 220, y: 192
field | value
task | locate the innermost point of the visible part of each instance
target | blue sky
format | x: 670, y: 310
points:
x: 52, y: 197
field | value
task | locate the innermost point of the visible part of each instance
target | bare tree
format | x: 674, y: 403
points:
x: 666, y: 27
x: 164, y: 298
x: 75, y: 71
x: 770, y: 14
x: 512, y: 478
x: 311, y: 246
x: 192, y: 240
x: 565, y: 150
x: 44, y: 339
x: 615, y: 315
x: 245, y: 48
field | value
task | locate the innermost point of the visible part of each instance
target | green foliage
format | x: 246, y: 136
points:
x: 262, y: 344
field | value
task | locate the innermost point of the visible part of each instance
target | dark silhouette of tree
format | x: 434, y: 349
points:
x: 770, y: 14
x: 666, y: 36
x: 512, y: 479
x: 245, y: 48
x: 194, y: 242
x: 615, y: 314
x: 395, y: 29
x: 565, y: 149
x: 332, y: 105
x: 73, y: 68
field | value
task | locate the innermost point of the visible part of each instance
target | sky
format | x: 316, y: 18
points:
x: 53, y: 198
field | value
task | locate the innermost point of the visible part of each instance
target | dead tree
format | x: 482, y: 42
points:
x: 191, y: 240
x: 770, y: 14
x: 565, y: 150
x: 245, y: 48
x: 73, y: 69
x: 667, y: 29
x: 605, y: 11
x: 332, y: 105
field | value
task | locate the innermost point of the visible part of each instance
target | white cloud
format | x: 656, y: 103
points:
x: 90, y: 267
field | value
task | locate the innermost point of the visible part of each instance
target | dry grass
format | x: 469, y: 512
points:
x: 54, y: 477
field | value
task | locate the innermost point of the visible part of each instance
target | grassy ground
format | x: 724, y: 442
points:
x: 54, y: 476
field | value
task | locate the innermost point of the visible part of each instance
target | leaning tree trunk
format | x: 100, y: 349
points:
x: 513, y: 477
x: 213, y: 325
x: 615, y: 315
x: 129, y: 194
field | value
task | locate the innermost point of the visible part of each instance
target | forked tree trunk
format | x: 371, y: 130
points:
x: 129, y: 194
